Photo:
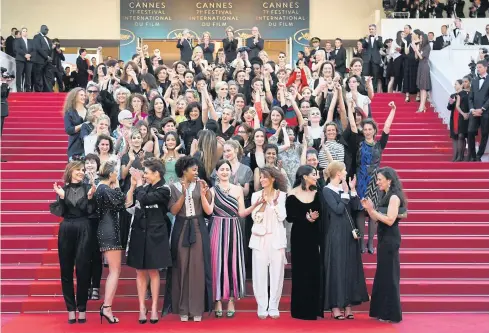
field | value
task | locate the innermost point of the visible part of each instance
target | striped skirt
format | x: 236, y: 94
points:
x: 227, y: 258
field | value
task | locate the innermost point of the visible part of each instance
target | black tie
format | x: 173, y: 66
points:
x: 482, y: 78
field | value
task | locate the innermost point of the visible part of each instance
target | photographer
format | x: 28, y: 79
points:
x: 58, y: 57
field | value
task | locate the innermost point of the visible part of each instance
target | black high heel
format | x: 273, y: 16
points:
x: 103, y: 315
x: 82, y: 320
x: 143, y: 321
x: 153, y: 321
x: 338, y: 317
x: 72, y: 321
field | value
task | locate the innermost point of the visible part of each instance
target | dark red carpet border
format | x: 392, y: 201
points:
x: 248, y: 322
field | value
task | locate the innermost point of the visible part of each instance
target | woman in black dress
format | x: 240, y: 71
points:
x: 110, y: 201
x: 344, y: 280
x: 303, y: 206
x: 385, y: 303
x: 75, y: 241
x: 458, y: 104
x: 149, y: 246
x: 410, y: 65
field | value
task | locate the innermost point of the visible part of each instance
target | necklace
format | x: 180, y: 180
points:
x: 225, y: 190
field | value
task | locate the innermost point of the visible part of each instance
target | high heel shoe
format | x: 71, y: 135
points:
x: 418, y: 98
x: 218, y: 313
x: 423, y: 110
x: 408, y: 99
x: 82, y: 320
x: 154, y: 321
x: 338, y: 317
x: 371, y: 250
x: 114, y: 319
x: 72, y: 321
x: 143, y: 321
x: 230, y: 313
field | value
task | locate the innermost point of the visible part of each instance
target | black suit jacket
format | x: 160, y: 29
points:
x: 371, y: 52
x: 438, y: 43
x: 230, y: 47
x: 185, y: 50
x: 21, y: 50
x: 9, y: 46
x: 340, y: 60
x: 484, y: 40
x: 208, y: 52
x: 479, y: 98
x: 41, y: 50
x: 254, y: 48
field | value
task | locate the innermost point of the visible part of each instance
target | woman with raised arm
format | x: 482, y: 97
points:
x: 369, y: 155
x: 385, y: 304
x: 75, y: 205
x: 303, y: 210
x: 344, y: 280
x: 227, y: 205
x: 269, y: 241
x: 189, y: 281
x: 110, y: 201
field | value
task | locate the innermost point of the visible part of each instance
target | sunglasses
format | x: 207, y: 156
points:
x: 92, y: 91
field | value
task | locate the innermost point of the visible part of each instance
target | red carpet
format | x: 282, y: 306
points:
x: 247, y: 322
x: 444, y: 251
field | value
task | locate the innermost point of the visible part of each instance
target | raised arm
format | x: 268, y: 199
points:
x: 390, y: 118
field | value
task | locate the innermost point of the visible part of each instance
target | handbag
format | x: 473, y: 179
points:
x: 258, y: 228
x: 56, y: 208
x: 355, y: 232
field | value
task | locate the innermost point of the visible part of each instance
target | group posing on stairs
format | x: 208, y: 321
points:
x: 215, y: 173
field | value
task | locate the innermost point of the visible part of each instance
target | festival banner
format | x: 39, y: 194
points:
x: 276, y: 20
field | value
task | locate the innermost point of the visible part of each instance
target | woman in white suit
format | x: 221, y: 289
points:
x: 268, y: 241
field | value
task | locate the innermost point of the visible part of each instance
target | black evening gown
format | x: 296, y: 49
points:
x: 149, y: 245
x: 410, y: 69
x: 304, y: 240
x: 344, y: 280
x: 386, y: 299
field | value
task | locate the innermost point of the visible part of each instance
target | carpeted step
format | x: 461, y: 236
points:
x: 409, y: 304
x: 443, y: 165
x: 35, y: 165
x: 28, y: 195
x: 35, y: 157
x: 448, y: 184
x: 127, y: 287
x: 34, y: 144
x: 479, y: 194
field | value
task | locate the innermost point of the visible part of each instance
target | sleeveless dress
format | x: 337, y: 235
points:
x: 227, y: 253
x: 385, y: 303
x: 170, y: 173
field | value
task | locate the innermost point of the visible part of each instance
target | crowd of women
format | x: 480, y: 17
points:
x: 213, y: 172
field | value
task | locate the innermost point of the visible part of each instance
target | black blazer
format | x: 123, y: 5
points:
x: 185, y: 50
x: 208, y: 52
x: 230, y: 48
x: 9, y: 45
x: 41, y: 50
x: 438, y: 43
x: 21, y: 50
x: 484, y: 40
x: 340, y: 60
x: 254, y: 48
x: 479, y: 98
x: 371, y: 52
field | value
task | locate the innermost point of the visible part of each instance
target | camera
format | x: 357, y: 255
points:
x: 244, y: 49
x: 6, y: 74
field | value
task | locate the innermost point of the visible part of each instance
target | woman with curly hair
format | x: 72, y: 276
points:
x: 74, y: 116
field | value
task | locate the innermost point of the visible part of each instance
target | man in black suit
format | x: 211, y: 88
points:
x: 485, y: 38
x: 479, y: 9
x: 23, y: 48
x: 372, y: 44
x: 254, y: 43
x: 443, y: 40
x: 56, y: 63
x: 185, y: 46
x: 329, y: 51
x: 9, y: 43
x: 41, y: 59
x: 339, y: 57
x: 479, y: 111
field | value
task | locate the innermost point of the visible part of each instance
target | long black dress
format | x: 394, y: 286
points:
x: 386, y: 300
x: 149, y: 246
x: 344, y: 280
x: 304, y: 239
x: 410, y: 68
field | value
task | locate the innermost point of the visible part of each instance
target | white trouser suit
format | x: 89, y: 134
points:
x: 269, y: 254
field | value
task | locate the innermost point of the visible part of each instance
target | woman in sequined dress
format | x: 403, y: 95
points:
x: 110, y: 201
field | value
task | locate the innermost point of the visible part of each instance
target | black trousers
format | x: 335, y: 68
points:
x: 75, y: 245
x: 58, y: 75
x: 23, y: 73
x: 474, y: 124
x: 96, y: 260
x: 1, y: 128
x: 42, y: 77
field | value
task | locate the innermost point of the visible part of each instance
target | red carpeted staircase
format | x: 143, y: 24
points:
x: 444, y: 251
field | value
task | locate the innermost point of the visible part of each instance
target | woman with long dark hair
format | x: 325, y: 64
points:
x: 269, y: 241
x: 344, y: 280
x: 303, y: 211
x: 149, y: 248
x: 110, y: 201
x: 458, y: 104
x: 422, y: 49
x: 385, y: 303
x: 75, y: 204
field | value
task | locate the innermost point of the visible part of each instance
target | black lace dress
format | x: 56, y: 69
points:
x: 109, y: 203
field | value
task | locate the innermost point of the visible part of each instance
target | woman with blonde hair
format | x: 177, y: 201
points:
x: 198, y: 64
x: 75, y: 115
x: 93, y: 113
x: 208, y: 47
x: 101, y: 128
x: 344, y: 280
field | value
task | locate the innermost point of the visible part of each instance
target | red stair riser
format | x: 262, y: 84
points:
x: 28, y: 195
x: 445, y: 165
x: 443, y: 184
x: 42, y: 174
x: 35, y: 217
x: 31, y: 229
x: 423, y: 194
x: 34, y: 144
x: 35, y: 157
x: 54, y: 165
